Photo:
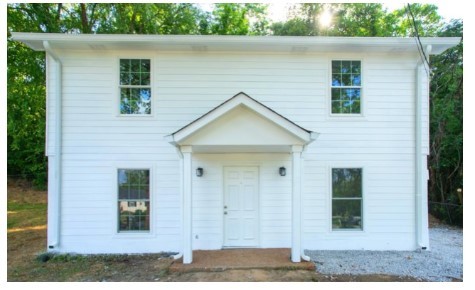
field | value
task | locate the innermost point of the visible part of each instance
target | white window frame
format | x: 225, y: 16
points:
x: 345, y: 116
x: 117, y: 96
x: 115, y: 198
x: 363, y: 198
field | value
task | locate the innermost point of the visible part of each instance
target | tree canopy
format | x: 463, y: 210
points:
x: 26, y: 68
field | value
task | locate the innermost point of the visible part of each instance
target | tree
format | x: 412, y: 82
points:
x: 239, y: 19
x: 446, y: 130
x: 26, y: 91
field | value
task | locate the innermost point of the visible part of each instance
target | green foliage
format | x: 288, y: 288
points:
x: 26, y: 98
x: 426, y: 17
x: 165, y: 18
x: 446, y: 129
x: 239, y: 19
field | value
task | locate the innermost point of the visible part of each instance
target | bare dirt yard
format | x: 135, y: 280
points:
x: 27, y: 260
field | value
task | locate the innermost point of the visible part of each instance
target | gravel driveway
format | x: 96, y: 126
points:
x: 444, y: 262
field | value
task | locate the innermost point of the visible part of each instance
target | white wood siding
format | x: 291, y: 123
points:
x: 97, y: 141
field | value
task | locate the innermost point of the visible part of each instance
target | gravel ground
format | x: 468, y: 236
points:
x: 444, y: 262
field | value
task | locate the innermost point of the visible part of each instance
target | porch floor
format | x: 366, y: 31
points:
x: 220, y: 260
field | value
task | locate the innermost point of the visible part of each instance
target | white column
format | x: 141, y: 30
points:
x: 296, y: 201
x: 187, y: 208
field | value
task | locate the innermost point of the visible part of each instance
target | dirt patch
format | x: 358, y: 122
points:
x: 251, y: 275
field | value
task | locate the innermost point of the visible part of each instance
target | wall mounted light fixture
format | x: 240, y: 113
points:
x: 282, y: 171
x: 199, y: 171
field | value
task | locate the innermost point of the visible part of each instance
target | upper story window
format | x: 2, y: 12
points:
x: 347, y: 198
x: 135, y: 88
x: 346, y: 87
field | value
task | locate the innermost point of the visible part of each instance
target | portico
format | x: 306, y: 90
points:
x: 242, y: 125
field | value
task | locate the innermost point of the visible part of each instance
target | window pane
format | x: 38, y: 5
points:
x: 346, y: 80
x: 355, y: 80
x: 336, y: 66
x: 125, y: 102
x: 124, y: 192
x: 145, y: 79
x: 135, y: 65
x: 125, y: 65
x: 336, y: 80
x: 346, y: 67
x: 346, y: 107
x: 134, y: 216
x: 135, y: 101
x: 135, y: 79
x: 336, y: 94
x: 346, y: 214
x: 125, y: 78
x: 356, y: 67
x: 346, y: 182
x: 336, y: 107
x: 145, y: 65
x: 355, y: 107
x: 347, y: 94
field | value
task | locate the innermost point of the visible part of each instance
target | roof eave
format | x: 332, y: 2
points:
x: 35, y: 40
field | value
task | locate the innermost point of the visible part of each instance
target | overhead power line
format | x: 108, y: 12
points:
x: 420, y: 48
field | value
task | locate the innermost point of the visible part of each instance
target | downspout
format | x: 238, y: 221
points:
x: 421, y: 204
x: 58, y: 143
x: 179, y: 255
x: 170, y: 139
x: 302, y: 250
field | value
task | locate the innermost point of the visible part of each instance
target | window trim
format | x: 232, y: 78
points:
x: 346, y: 116
x: 363, y: 198
x: 118, y: 88
x: 115, y: 226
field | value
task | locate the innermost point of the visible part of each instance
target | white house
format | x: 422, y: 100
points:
x: 176, y: 143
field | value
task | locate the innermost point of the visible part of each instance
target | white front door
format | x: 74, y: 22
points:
x: 241, y: 215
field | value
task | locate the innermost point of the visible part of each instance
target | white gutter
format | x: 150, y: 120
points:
x: 55, y: 223
x: 421, y: 197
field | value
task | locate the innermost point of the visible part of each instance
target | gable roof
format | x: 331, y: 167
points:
x: 296, y: 44
x: 241, y: 99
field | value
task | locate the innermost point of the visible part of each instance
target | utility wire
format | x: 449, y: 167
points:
x: 420, y: 48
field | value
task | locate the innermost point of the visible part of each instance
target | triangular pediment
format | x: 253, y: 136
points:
x: 242, y: 121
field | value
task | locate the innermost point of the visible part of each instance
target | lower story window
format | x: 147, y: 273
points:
x: 133, y: 200
x: 347, y: 198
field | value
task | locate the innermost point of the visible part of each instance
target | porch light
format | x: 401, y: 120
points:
x: 282, y: 171
x: 199, y: 171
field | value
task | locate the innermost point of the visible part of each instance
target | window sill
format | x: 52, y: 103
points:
x: 348, y: 231
x: 135, y: 117
x: 134, y: 235
x: 347, y: 117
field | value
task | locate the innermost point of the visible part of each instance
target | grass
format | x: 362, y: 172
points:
x: 23, y: 216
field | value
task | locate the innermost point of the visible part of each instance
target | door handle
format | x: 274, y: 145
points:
x: 225, y: 212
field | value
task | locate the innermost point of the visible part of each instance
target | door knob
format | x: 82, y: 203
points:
x: 225, y: 206
x: 225, y: 212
